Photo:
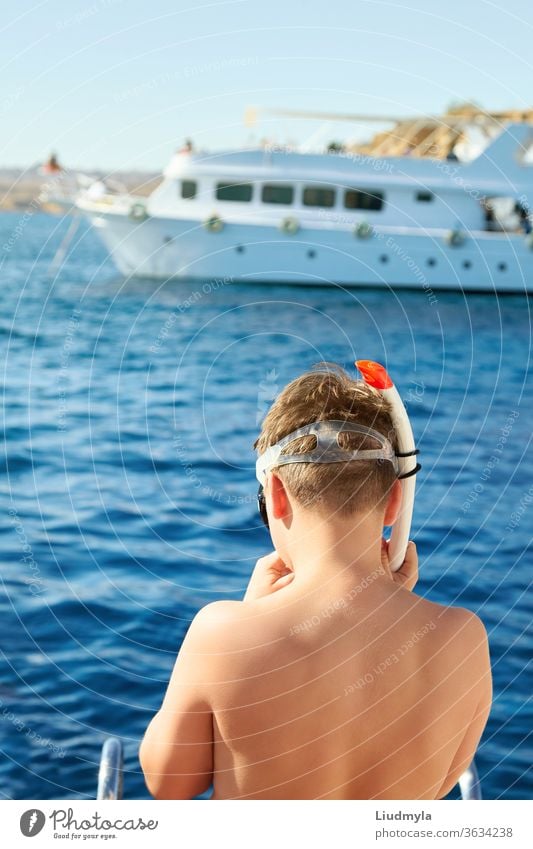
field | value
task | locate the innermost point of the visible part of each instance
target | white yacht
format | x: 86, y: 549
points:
x: 280, y: 215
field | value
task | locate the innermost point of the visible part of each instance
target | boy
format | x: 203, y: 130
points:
x: 331, y: 679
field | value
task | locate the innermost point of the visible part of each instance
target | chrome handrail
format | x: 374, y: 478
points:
x: 110, y: 772
x: 469, y: 784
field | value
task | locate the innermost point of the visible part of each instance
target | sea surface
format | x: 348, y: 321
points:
x: 127, y: 489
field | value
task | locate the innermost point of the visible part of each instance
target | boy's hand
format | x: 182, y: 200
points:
x: 270, y: 575
x: 407, y: 574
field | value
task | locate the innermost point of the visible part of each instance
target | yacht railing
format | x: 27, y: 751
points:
x: 111, y: 770
x: 469, y: 784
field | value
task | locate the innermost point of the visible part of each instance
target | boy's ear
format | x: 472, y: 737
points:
x: 394, y: 502
x: 280, y: 500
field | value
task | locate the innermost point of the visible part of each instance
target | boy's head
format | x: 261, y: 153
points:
x: 333, y: 489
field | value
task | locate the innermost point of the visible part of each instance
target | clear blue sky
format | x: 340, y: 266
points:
x: 119, y: 83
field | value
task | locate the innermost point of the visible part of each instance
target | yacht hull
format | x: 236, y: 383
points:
x: 164, y: 248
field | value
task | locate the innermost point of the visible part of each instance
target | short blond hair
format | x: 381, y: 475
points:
x: 327, y: 392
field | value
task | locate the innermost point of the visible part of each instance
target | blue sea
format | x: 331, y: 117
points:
x: 128, y: 491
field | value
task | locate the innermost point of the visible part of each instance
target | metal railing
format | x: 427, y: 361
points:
x: 111, y: 770
x: 469, y: 784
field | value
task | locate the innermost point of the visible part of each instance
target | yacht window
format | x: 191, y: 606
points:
x: 425, y: 197
x: 277, y: 194
x: 234, y: 191
x: 318, y: 197
x: 358, y: 199
x: 188, y: 189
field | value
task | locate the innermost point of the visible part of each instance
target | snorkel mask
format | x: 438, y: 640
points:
x: 328, y: 450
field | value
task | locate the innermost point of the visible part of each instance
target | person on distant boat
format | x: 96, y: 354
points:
x: 490, y: 217
x: 331, y: 679
x: 523, y: 216
x: 187, y: 147
x: 51, y: 166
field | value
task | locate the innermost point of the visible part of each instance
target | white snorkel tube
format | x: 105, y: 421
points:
x: 375, y: 376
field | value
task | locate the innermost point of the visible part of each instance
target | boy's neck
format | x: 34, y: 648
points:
x: 321, y: 548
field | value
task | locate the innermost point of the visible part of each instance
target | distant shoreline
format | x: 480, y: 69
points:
x: 20, y: 188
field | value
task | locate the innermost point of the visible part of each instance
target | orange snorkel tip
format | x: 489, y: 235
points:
x: 374, y: 374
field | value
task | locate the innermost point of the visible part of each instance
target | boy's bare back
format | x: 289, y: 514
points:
x: 344, y: 692
x: 348, y: 687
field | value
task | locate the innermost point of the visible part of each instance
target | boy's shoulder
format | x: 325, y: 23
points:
x: 457, y: 626
x: 460, y: 618
x: 215, y: 616
x: 230, y: 626
x: 220, y: 625
x: 234, y: 629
